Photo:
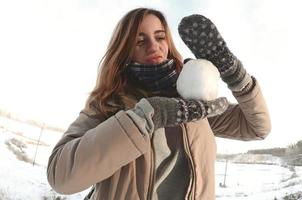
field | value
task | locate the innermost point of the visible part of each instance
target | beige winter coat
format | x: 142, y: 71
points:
x: 118, y: 159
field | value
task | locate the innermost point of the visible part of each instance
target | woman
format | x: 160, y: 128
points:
x: 136, y: 138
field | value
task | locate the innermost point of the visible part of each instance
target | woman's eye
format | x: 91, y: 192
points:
x: 161, y: 38
x: 140, y: 42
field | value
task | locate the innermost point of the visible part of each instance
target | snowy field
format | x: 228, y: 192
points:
x: 22, y: 180
x: 257, y: 181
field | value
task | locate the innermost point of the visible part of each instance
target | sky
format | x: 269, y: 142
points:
x: 50, y: 51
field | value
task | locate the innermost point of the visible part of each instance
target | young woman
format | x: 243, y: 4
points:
x: 136, y: 138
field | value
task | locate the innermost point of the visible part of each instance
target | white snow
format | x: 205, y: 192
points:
x: 198, y: 79
x: 21, y: 180
x: 256, y: 181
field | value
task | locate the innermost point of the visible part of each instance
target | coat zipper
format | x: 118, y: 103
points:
x: 189, y: 157
x: 151, y: 178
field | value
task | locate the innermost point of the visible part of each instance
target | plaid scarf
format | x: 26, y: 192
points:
x: 155, y: 78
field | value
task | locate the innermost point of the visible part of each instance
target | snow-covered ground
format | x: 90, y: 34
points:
x: 22, y: 180
x: 257, y: 181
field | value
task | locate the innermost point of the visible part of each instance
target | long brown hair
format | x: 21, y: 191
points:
x: 112, y: 90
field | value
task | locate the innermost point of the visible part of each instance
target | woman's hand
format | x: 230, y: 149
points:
x: 174, y: 111
x: 204, y: 40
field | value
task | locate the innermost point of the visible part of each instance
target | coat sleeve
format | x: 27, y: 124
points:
x: 92, y: 150
x: 247, y: 120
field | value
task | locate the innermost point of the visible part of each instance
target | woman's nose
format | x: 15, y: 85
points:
x: 152, y: 46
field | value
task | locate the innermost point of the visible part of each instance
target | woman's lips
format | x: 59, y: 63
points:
x: 154, y: 59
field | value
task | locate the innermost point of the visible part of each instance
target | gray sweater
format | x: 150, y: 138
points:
x: 172, y: 174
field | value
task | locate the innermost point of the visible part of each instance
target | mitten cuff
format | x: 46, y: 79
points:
x: 235, y: 75
x: 242, y: 84
x: 238, y: 78
x: 190, y: 110
x: 249, y: 87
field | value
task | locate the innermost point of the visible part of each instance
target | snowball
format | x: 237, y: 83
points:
x: 199, y: 79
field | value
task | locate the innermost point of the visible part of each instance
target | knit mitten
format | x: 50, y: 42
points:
x: 204, y: 40
x: 169, y: 112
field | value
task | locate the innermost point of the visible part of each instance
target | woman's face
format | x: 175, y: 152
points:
x: 151, y: 45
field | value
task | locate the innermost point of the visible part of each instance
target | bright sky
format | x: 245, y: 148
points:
x: 50, y: 51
